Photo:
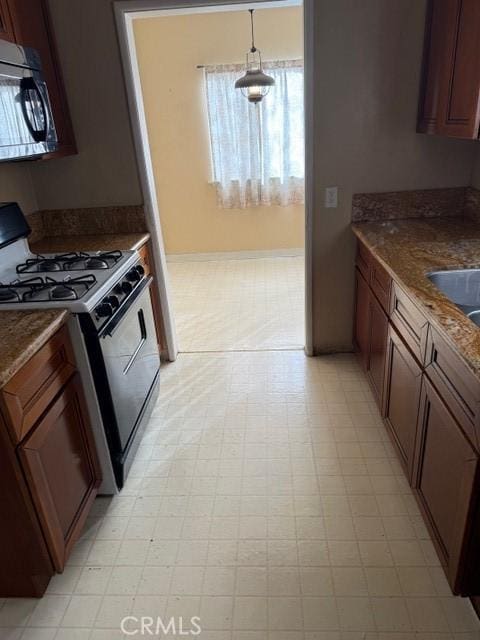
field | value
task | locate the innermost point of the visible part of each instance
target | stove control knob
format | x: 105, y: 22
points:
x: 133, y: 275
x: 126, y: 287
x: 114, y: 301
x: 140, y: 270
x: 104, y: 310
x: 118, y: 290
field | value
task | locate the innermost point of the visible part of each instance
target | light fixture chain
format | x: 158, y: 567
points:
x: 253, y: 49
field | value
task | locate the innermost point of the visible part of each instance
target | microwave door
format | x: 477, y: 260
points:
x: 23, y: 118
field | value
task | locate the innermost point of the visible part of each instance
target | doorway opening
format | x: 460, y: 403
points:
x: 232, y: 243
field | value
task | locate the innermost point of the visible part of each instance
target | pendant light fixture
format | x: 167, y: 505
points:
x: 255, y: 84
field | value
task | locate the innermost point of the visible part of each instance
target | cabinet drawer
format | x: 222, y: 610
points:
x: 409, y: 322
x: 380, y: 283
x: 144, y: 254
x: 363, y: 260
x: 457, y: 385
x: 26, y: 396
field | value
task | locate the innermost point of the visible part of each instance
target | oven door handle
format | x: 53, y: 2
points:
x: 143, y: 339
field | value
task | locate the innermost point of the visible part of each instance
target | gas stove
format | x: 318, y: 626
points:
x: 77, y: 281
x: 111, y: 326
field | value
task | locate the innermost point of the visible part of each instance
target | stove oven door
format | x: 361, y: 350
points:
x: 131, y: 359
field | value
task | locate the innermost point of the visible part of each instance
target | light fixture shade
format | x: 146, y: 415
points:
x: 254, y: 84
x: 254, y: 77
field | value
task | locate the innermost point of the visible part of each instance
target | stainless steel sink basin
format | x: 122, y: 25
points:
x: 475, y: 317
x: 461, y: 286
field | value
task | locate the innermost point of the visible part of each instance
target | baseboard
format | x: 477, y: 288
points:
x: 235, y: 255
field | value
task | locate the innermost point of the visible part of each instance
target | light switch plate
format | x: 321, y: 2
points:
x: 331, y: 197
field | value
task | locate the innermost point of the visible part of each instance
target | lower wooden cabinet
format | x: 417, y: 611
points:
x: 49, y: 470
x: 62, y: 471
x: 361, y: 331
x: 445, y: 478
x: 378, y: 323
x: 370, y: 334
x: 431, y: 409
x: 403, y: 377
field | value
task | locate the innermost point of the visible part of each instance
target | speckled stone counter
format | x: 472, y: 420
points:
x: 409, y: 249
x: 100, y: 242
x: 22, y: 333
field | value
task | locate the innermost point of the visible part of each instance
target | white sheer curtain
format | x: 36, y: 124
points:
x: 257, y: 150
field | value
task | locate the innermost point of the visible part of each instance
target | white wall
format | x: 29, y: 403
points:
x: 368, y: 59
x: 16, y: 185
x: 105, y: 170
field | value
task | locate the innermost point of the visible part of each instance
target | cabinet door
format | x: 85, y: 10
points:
x: 361, y: 329
x: 32, y: 28
x: 6, y: 27
x: 446, y: 470
x: 62, y: 471
x: 449, y: 103
x: 403, y: 377
x: 378, y: 328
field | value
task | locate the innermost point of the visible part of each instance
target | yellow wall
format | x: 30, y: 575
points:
x: 169, y: 49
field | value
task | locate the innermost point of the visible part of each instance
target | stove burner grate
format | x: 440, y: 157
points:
x: 73, y: 261
x: 46, y: 289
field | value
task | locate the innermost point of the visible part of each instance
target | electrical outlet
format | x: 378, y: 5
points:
x: 331, y: 197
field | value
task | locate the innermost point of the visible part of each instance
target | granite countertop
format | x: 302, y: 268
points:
x: 22, y: 333
x: 409, y: 249
x: 99, y: 242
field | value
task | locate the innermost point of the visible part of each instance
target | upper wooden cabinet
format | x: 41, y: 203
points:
x: 27, y: 22
x: 450, y: 91
x: 6, y: 26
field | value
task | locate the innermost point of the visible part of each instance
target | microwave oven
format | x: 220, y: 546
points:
x: 27, y: 129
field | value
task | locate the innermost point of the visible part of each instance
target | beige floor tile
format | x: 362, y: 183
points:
x: 285, y: 613
x: 320, y: 614
x: 225, y: 305
x: 383, y: 581
x: 348, y: 581
x: 250, y: 613
x: 251, y: 581
x: 274, y: 533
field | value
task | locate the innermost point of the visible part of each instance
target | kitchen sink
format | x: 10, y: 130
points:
x: 462, y: 287
x: 475, y: 317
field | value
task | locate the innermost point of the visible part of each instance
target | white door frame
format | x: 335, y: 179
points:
x: 124, y: 10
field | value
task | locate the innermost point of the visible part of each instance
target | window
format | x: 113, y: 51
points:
x: 257, y: 150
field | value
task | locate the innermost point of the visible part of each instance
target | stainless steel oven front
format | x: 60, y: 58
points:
x: 125, y: 362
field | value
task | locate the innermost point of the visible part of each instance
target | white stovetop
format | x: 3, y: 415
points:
x: 18, y: 252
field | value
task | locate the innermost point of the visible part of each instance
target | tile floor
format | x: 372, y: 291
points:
x: 228, y: 305
x: 265, y: 499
